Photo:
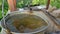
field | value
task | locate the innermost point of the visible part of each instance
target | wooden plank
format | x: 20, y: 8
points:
x: 12, y: 5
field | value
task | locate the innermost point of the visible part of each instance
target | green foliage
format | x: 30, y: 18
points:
x: 5, y: 7
x: 23, y: 3
x: 0, y: 8
x: 0, y: 2
x: 55, y: 3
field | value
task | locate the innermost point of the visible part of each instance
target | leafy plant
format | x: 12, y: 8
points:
x: 23, y: 3
x: 5, y: 8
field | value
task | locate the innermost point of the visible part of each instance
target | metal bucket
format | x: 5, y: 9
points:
x: 38, y: 30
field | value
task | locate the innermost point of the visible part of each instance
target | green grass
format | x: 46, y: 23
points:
x: 22, y: 3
